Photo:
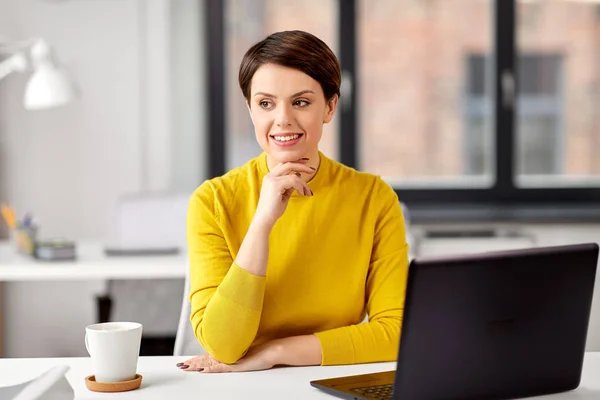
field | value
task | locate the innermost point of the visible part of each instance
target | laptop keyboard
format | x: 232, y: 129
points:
x: 376, y: 392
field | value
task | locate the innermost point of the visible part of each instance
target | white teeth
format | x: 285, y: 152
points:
x: 286, y: 138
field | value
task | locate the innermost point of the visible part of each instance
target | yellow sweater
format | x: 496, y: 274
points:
x: 333, y: 257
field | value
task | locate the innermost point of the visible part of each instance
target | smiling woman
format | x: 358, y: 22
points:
x: 289, y: 124
x: 267, y: 240
x: 247, y: 23
x: 290, y: 99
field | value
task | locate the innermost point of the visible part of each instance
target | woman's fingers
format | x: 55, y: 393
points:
x: 288, y: 168
x: 277, y: 187
x: 219, y: 368
x: 205, y: 363
x: 198, y: 363
x: 293, y: 181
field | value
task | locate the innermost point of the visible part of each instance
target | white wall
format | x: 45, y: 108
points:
x: 70, y: 165
x: 188, y: 91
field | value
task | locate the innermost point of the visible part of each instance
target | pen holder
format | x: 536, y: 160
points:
x: 25, y: 238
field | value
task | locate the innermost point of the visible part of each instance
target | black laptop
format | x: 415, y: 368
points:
x: 496, y: 325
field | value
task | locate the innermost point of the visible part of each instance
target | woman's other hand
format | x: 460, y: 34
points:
x: 257, y: 359
x: 277, y: 188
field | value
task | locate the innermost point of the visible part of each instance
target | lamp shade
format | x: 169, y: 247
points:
x: 48, y: 87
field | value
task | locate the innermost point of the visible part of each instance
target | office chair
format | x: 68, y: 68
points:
x: 186, y: 343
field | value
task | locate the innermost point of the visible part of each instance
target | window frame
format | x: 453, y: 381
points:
x: 504, y: 200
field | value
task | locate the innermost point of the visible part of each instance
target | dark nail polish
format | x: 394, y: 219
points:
x: 298, y: 174
x: 314, y: 169
x: 311, y: 193
x: 184, y: 366
x: 200, y: 369
x: 179, y: 364
x: 306, y: 159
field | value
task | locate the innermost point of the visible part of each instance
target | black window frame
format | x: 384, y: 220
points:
x: 504, y: 201
x: 535, y: 102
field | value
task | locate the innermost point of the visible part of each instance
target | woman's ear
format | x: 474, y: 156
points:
x: 330, y: 109
x: 249, y: 110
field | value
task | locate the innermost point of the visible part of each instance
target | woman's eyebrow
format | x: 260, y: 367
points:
x: 294, y: 95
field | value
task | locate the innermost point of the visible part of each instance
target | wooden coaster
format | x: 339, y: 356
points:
x: 111, y: 387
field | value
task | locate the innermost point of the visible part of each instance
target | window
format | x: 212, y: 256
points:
x: 478, y: 114
x: 411, y: 80
x: 540, y: 109
x: 469, y: 108
x: 558, y: 125
x: 539, y: 115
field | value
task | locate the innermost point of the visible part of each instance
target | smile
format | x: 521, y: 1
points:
x: 286, y: 138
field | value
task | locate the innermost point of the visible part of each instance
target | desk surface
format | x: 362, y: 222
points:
x: 162, y: 380
x: 91, y: 263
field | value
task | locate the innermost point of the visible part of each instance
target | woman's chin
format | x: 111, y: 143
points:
x: 283, y: 156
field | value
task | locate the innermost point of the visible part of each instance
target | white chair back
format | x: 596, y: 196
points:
x: 186, y: 343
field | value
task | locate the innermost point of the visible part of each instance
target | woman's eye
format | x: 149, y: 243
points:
x: 264, y: 104
x: 301, y: 103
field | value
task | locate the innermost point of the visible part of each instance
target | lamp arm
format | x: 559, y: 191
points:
x: 15, y: 63
x: 12, y: 46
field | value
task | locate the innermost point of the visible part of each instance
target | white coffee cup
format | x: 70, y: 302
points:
x: 114, y: 348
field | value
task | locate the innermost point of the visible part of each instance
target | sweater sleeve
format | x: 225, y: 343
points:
x: 226, y: 300
x: 376, y: 340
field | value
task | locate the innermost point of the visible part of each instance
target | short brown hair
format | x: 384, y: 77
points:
x: 293, y: 49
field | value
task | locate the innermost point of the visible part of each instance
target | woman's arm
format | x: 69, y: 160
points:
x: 378, y: 339
x: 254, y: 251
x: 226, y: 295
x: 297, y: 350
x: 277, y: 187
x: 226, y: 300
x: 374, y: 341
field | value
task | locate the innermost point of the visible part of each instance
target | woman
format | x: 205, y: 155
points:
x: 290, y: 251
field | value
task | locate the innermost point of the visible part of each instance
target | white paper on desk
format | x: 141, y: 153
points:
x: 51, y: 385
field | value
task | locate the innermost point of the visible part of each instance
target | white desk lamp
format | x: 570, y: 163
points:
x: 48, y: 86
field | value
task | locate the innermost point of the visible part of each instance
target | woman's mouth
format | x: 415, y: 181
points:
x: 286, y: 139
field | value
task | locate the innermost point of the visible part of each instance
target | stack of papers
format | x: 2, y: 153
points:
x: 51, y: 385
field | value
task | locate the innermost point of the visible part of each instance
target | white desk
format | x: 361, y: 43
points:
x: 91, y: 263
x: 162, y: 380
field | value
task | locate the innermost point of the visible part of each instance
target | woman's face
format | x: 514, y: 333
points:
x: 288, y: 110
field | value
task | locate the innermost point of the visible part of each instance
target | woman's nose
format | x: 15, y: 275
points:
x: 283, y: 118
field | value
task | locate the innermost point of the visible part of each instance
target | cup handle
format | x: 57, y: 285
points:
x: 87, y: 346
